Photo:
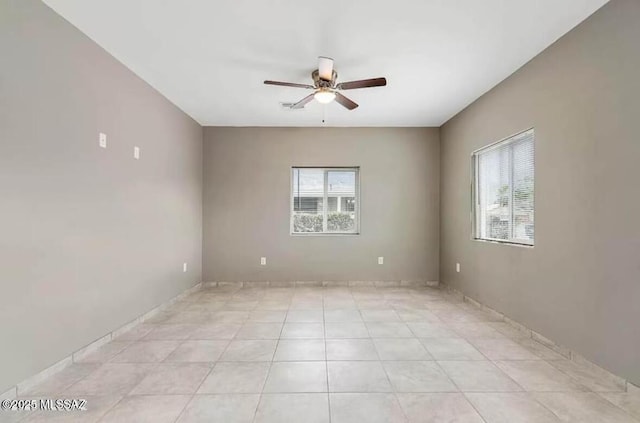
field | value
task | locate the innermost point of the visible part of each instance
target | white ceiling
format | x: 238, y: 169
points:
x: 209, y: 57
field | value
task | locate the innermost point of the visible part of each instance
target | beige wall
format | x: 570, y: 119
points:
x: 247, y: 200
x: 89, y: 238
x: 580, y: 285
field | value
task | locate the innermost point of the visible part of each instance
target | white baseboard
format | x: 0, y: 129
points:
x: 560, y: 349
x: 83, y: 352
x: 41, y: 376
x: 290, y: 284
x: 9, y: 394
x: 32, y: 381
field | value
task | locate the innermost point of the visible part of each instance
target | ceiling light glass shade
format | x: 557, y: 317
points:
x: 324, y: 96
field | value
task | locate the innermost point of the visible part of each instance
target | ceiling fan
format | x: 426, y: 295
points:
x: 324, y: 87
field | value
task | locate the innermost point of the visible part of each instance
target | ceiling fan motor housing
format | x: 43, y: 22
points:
x: 323, y: 83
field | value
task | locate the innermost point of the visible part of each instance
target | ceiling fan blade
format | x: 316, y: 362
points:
x: 290, y: 84
x: 300, y: 104
x: 364, y: 83
x: 346, y: 102
x: 325, y: 68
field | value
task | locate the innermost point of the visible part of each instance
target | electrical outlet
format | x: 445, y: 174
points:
x: 263, y: 261
x: 380, y: 260
x: 458, y: 267
x: 136, y: 153
x: 102, y: 140
x: 184, y: 267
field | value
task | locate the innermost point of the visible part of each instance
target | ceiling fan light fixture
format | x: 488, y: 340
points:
x: 324, y: 96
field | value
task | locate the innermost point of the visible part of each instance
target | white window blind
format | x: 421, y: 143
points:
x: 324, y: 200
x: 504, y: 190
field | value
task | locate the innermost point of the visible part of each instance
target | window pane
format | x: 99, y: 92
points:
x: 308, y: 197
x: 342, y: 187
x: 308, y: 204
x: 324, y: 200
x: 348, y: 204
x: 495, y: 192
x: 332, y: 204
x: 504, y: 190
x: 523, y: 190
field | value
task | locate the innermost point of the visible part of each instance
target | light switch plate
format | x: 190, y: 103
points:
x: 263, y: 261
x: 102, y: 140
x: 136, y: 153
x: 458, y: 267
x: 380, y: 260
x: 184, y: 267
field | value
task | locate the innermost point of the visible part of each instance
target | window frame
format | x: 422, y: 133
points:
x: 325, y: 203
x: 475, y: 198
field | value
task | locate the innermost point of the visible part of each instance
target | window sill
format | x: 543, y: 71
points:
x: 305, y: 234
x: 506, y: 243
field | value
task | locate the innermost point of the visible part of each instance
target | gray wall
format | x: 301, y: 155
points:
x: 89, y: 238
x: 580, y: 285
x: 247, y: 200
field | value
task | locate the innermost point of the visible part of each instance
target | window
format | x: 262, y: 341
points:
x: 324, y: 200
x: 504, y: 190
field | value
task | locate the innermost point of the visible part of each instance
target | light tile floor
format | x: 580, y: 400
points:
x: 333, y: 354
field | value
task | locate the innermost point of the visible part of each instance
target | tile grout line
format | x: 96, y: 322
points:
x: 462, y: 392
x: 201, y: 382
x: 384, y: 369
x: 566, y: 352
x: 66, y: 361
x: 133, y: 387
x: 326, y: 362
x: 394, y: 305
x: 230, y: 341
x: 125, y: 395
x: 286, y: 314
x: 628, y: 413
x: 488, y: 360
